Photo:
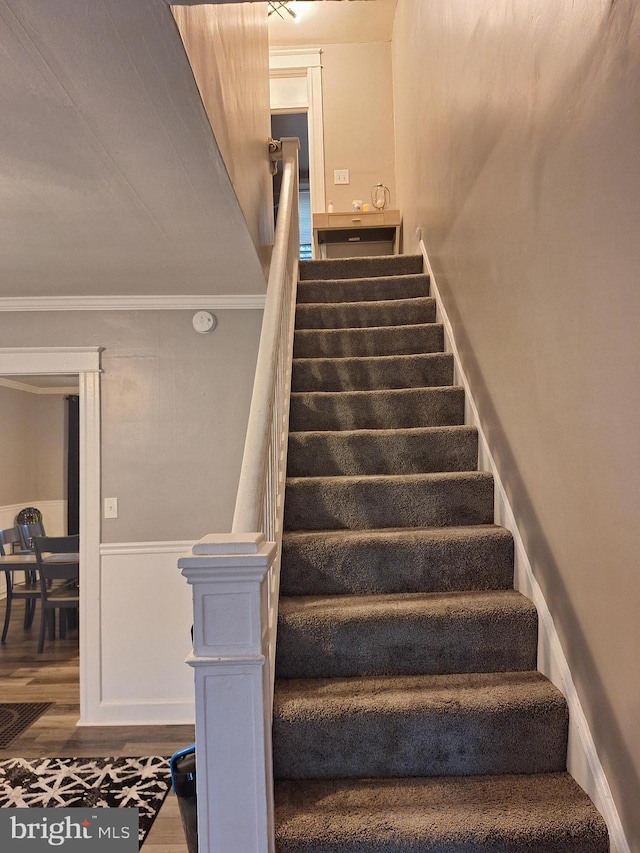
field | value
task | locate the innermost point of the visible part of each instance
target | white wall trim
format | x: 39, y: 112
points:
x: 24, y: 361
x: 582, y: 759
x: 169, y: 547
x: 55, y: 508
x: 159, y: 713
x: 294, y: 58
x: 34, y: 389
x: 85, y: 361
x: 220, y: 302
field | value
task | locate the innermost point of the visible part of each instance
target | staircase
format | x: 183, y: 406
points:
x: 408, y: 713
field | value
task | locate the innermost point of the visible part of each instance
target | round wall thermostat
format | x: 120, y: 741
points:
x: 204, y: 321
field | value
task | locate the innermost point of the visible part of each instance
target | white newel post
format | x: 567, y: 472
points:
x: 229, y: 576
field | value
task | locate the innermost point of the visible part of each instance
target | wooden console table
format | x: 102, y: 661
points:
x: 343, y: 235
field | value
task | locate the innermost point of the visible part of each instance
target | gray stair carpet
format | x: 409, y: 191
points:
x: 409, y: 716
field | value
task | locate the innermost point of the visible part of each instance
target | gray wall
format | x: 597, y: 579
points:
x: 174, y: 412
x: 518, y: 128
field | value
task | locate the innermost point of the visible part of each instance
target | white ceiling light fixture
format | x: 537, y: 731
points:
x: 280, y: 6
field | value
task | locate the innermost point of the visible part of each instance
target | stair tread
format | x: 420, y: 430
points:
x: 355, y: 267
x: 540, y: 813
x: 383, y: 433
x: 403, y: 605
x: 385, y: 359
x: 363, y: 304
x: 365, y: 279
x: 407, y: 339
x: 441, y: 693
x: 432, y: 477
x: 397, y: 534
x: 328, y: 290
x: 436, y: 405
x: 358, y: 395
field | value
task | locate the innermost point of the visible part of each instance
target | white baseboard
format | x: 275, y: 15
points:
x: 143, y: 714
x: 582, y: 758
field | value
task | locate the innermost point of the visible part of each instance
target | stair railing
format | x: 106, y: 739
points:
x: 235, y: 579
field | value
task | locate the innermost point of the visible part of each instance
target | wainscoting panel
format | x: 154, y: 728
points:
x: 145, y: 636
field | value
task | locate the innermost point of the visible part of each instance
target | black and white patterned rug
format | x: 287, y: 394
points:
x: 140, y: 783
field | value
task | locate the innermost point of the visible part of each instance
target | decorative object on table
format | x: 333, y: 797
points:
x: 356, y: 205
x: 330, y: 207
x: 140, y: 783
x: 380, y: 196
x: 26, y: 516
x: 16, y: 717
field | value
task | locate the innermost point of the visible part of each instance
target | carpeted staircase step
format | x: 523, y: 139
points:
x: 361, y: 267
x: 409, y: 500
x: 542, y: 813
x: 393, y: 409
x: 366, y: 289
x: 372, y: 373
x: 402, y: 451
x: 375, y: 340
x: 354, y: 315
x: 342, y: 636
x: 418, y: 725
x: 362, y: 562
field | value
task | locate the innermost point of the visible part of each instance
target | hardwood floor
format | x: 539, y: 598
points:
x: 53, y: 676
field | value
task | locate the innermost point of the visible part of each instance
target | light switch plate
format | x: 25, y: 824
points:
x: 111, y: 507
x: 340, y: 176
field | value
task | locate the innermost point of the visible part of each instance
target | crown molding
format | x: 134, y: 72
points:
x: 220, y: 302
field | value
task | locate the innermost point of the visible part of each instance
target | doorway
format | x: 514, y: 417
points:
x: 295, y: 124
x: 84, y: 362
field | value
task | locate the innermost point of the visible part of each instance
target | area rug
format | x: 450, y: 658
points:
x: 140, y: 783
x: 15, y: 717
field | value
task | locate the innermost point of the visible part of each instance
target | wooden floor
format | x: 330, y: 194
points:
x: 26, y: 676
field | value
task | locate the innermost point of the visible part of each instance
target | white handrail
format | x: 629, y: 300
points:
x: 235, y: 579
x: 268, y: 388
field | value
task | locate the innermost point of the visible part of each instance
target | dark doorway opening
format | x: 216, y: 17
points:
x: 295, y: 124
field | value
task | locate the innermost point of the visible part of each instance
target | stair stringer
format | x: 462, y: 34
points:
x: 583, y: 762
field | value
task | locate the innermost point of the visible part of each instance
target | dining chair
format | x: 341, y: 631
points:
x: 28, y: 531
x: 58, y: 567
x: 21, y: 580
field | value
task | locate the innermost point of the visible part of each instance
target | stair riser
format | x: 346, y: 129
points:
x: 413, y: 645
x: 351, y: 315
x: 390, y: 340
x: 335, y: 454
x: 361, y: 267
x: 365, y: 503
x: 363, y: 374
x: 404, y: 742
x: 367, y: 289
x: 426, y: 407
x: 330, y: 564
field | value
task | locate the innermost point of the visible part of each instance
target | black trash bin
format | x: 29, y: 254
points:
x: 183, y: 777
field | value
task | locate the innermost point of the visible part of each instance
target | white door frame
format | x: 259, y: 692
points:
x: 85, y: 362
x: 305, y: 63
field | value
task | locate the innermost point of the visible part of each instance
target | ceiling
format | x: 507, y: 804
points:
x: 326, y: 22
x: 110, y: 179
x: 111, y: 182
